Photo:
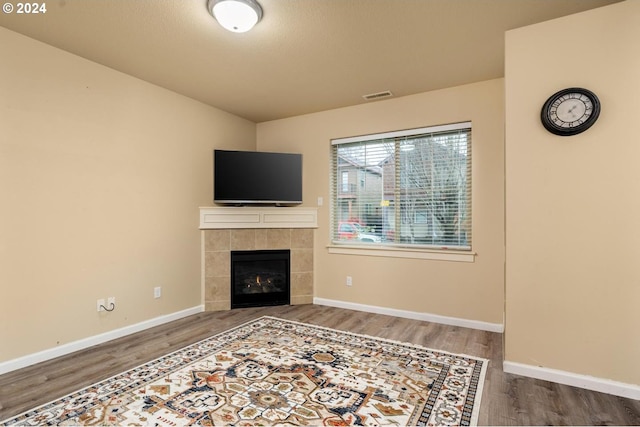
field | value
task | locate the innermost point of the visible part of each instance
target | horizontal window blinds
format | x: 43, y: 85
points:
x: 406, y: 188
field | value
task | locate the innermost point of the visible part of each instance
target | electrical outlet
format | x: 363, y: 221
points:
x: 157, y: 292
x: 349, y: 281
x: 100, y: 305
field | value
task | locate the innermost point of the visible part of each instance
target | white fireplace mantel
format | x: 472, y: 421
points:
x: 212, y: 218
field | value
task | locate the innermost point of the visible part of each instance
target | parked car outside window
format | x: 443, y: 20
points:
x: 355, y: 231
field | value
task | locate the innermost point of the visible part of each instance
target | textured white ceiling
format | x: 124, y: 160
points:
x: 304, y: 56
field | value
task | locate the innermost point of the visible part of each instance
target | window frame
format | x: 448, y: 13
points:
x: 400, y: 249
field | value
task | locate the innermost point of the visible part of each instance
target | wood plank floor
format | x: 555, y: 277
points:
x: 507, y: 399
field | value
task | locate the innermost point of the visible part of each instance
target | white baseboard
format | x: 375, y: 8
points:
x: 41, y: 356
x: 601, y: 385
x: 427, y: 317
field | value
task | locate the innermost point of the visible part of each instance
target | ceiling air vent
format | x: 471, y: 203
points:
x: 379, y: 95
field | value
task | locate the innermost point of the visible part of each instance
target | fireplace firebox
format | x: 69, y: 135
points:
x: 260, y: 278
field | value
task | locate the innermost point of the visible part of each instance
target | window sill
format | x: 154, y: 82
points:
x: 391, y: 252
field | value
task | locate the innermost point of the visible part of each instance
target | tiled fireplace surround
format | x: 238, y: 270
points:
x: 219, y: 239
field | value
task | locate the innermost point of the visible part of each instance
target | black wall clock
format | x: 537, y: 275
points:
x: 570, y: 111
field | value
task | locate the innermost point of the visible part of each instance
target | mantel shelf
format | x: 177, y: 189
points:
x: 212, y: 218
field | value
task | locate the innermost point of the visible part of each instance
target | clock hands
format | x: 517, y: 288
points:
x: 570, y: 111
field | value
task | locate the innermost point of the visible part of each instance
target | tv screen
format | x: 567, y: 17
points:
x: 249, y: 177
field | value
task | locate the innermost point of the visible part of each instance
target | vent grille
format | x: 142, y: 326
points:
x: 378, y: 95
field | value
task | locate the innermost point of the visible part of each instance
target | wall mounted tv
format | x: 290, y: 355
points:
x: 253, y: 177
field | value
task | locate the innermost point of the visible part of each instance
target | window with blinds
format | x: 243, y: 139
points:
x: 406, y: 188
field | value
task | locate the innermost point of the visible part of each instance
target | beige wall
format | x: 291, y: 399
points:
x: 473, y: 291
x: 573, y: 203
x: 101, y: 177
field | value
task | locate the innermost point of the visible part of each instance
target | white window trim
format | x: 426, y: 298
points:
x: 400, y: 133
x: 457, y: 255
x: 394, y: 252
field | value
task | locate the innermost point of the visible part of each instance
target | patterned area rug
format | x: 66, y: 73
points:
x: 277, y: 372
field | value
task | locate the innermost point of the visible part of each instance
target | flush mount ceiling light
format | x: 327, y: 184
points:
x: 238, y: 16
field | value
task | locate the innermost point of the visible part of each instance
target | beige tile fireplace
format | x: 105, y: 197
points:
x: 238, y: 228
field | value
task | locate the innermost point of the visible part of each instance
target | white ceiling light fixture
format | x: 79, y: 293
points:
x: 238, y: 16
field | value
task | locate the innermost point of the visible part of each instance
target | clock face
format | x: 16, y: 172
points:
x: 570, y: 111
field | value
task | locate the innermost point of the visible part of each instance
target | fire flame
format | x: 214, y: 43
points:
x: 258, y: 281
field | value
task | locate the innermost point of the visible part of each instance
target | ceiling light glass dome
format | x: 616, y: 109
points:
x: 238, y: 16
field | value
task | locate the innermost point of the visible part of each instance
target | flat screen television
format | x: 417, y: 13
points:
x: 253, y: 177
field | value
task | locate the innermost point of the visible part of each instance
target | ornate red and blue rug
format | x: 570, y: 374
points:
x: 278, y: 372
